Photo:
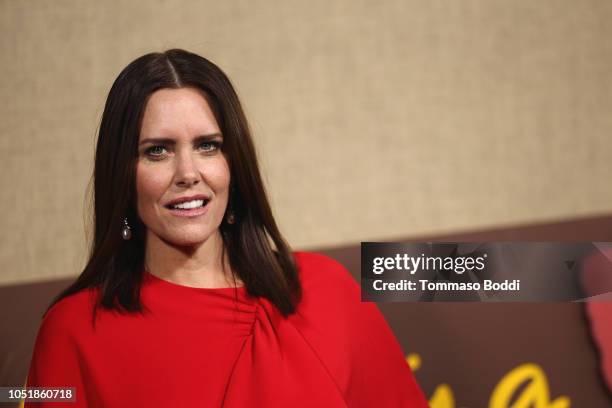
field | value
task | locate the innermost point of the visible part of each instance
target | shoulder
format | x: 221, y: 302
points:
x: 327, y: 286
x: 322, y: 271
x: 61, y: 335
x: 331, y: 293
x: 69, y: 316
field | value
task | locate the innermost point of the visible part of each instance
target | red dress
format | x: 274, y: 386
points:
x: 203, y: 347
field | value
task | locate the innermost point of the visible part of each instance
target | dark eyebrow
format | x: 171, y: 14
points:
x: 168, y: 141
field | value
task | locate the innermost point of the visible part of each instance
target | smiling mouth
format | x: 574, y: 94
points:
x: 188, y: 205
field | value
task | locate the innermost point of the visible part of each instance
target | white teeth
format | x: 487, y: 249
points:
x: 189, y: 204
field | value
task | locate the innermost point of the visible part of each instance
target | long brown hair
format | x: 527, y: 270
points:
x: 256, y: 250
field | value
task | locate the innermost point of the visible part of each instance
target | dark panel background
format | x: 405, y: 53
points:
x: 470, y: 347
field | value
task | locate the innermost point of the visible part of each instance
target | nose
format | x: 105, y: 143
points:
x: 186, y: 173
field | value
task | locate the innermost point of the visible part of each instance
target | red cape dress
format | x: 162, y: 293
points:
x: 199, y: 347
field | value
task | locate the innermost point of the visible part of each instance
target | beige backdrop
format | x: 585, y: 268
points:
x: 373, y: 121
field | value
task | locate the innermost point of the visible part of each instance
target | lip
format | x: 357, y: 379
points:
x: 187, y: 198
x: 190, y: 213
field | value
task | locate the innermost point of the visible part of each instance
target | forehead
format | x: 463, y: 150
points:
x: 176, y: 113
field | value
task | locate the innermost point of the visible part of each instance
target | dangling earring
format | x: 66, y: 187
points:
x: 126, y: 231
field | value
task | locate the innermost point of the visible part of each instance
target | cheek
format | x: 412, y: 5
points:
x: 150, y: 186
x: 219, y: 176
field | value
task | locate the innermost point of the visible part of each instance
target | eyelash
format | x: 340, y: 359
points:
x: 215, y: 146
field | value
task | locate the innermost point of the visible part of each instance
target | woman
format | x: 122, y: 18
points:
x: 191, y: 297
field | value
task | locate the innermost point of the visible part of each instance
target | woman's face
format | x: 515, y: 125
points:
x: 180, y: 162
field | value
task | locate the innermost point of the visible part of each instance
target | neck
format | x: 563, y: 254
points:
x: 201, y: 265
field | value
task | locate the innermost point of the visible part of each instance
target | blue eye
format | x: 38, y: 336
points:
x: 155, y: 150
x: 159, y: 152
x: 210, y: 147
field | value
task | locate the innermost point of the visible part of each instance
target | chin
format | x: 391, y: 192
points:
x: 189, y: 239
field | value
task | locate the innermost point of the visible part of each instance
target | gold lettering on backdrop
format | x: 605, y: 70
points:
x: 442, y: 397
x: 534, y: 395
x: 528, y: 376
x: 414, y: 361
